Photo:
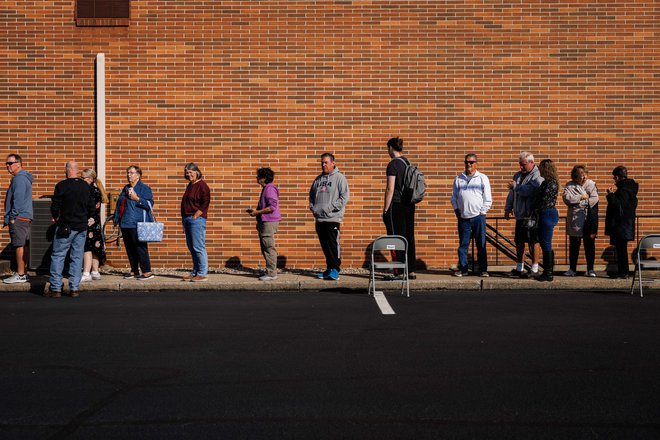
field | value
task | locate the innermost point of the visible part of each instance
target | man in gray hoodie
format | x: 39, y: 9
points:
x: 327, y: 201
x: 18, y: 214
x: 520, y: 201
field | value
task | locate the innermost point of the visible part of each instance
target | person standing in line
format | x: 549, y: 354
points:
x: 94, y: 245
x: 620, y: 217
x: 398, y: 216
x: 134, y: 204
x: 471, y: 199
x: 194, y: 212
x: 548, y: 217
x: 18, y: 215
x: 72, y: 208
x: 268, y: 219
x: 581, y: 198
x: 520, y: 202
x: 328, y: 197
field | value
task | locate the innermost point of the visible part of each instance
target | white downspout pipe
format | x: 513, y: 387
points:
x: 100, y: 123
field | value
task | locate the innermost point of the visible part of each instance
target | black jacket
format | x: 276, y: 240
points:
x: 621, y: 211
x: 73, y: 203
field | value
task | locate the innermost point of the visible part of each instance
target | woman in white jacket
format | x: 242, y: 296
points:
x: 581, y: 198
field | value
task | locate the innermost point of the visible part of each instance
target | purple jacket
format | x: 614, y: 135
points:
x: 270, y: 196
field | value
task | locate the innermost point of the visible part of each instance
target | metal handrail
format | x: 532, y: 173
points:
x: 506, y: 246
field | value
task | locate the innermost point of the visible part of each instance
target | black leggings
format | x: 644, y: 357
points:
x: 589, y: 251
x: 137, y: 251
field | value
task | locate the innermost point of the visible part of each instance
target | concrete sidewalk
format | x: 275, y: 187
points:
x: 306, y: 281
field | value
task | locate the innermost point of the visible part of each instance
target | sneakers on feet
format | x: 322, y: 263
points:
x: 332, y: 275
x: 322, y: 275
x: 458, y: 273
x: 85, y: 278
x: 144, y: 277
x: 517, y: 273
x: 484, y: 274
x: 129, y: 276
x: 570, y: 273
x: 267, y: 278
x: 591, y: 273
x: 96, y: 276
x: 16, y: 278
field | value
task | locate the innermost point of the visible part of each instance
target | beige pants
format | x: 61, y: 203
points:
x: 267, y: 232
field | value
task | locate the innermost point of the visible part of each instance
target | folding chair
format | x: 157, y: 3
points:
x: 645, y: 259
x: 389, y: 243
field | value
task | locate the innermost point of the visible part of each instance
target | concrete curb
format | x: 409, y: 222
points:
x: 358, y: 283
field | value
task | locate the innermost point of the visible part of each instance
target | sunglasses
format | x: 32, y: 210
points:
x: 10, y: 163
x: 471, y: 162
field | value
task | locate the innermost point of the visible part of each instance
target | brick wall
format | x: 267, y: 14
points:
x: 235, y: 85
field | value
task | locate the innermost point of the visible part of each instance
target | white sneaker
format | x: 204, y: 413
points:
x: 591, y: 273
x: 96, y: 276
x: 16, y: 278
x: 267, y: 278
x: 85, y: 278
x: 570, y: 273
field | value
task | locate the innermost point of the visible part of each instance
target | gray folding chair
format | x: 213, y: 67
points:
x: 646, y: 259
x: 389, y: 243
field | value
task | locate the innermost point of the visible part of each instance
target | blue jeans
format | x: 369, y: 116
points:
x: 196, y: 241
x: 61, y: 245
x: 547, y: 222
x: 466, y: 228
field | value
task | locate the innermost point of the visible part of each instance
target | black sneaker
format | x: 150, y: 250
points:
x: 129, y: 276
x: 144, y: 277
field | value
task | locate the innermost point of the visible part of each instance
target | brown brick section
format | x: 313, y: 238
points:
x: 235, y: 85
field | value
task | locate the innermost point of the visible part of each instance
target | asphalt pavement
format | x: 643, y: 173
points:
x: 328, y: 365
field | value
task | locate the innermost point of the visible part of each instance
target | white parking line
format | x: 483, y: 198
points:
x: 384, y: 306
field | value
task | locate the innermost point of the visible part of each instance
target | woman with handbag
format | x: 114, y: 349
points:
x: 134, y: 205
x: 194, y: 211
x: 548, y: 217
x: 581, y: 197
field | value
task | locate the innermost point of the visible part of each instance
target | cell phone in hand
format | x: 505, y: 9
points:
x: 249, y: 210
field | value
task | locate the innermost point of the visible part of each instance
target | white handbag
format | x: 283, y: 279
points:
x: 149, y: 231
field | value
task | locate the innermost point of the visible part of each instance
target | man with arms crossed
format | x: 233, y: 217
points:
x: 520, y: 201
x: 471, y: 200
x: 18, y: 215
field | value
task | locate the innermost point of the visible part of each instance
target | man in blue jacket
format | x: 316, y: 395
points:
x: 18, y: 215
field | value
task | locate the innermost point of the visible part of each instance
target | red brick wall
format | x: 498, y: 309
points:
x: 235, y: 85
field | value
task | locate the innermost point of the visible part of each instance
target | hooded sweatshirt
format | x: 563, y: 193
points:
x: 328, y: 197
x: 19, y: 197
x: 521, y: 196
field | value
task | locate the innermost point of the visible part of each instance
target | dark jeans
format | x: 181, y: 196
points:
x: 466, y: 228
x: 137, y: 251
x: 547, y: 222
x: 621, y: 246
x: 589, y: 251
x: 400, y: 220
x: 328, y: 233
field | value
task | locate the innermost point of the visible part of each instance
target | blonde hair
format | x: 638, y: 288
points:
x: 88, y: 172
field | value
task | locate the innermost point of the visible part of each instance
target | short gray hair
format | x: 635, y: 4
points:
x: 526, y: 155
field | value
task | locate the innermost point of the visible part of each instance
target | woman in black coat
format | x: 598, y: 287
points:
x: 620, y: 217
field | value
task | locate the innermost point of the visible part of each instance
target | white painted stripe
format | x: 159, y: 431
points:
x: 384, y: 306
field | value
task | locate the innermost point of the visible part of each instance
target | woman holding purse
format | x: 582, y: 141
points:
x: 134, y: 205
x: 581, y: 198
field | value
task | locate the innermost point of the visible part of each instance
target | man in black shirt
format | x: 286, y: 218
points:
x: 72, y: 208
x: 399, y: 217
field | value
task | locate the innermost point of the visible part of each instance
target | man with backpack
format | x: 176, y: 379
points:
x: 400, y: 199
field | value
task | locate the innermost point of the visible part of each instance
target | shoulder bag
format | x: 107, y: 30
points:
x: 149, y: 231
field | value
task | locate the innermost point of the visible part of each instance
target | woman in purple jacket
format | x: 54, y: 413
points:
x: 268, y: 219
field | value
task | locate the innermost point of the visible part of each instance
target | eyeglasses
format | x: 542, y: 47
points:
x: 471, y: 162
x: 10, y: 163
